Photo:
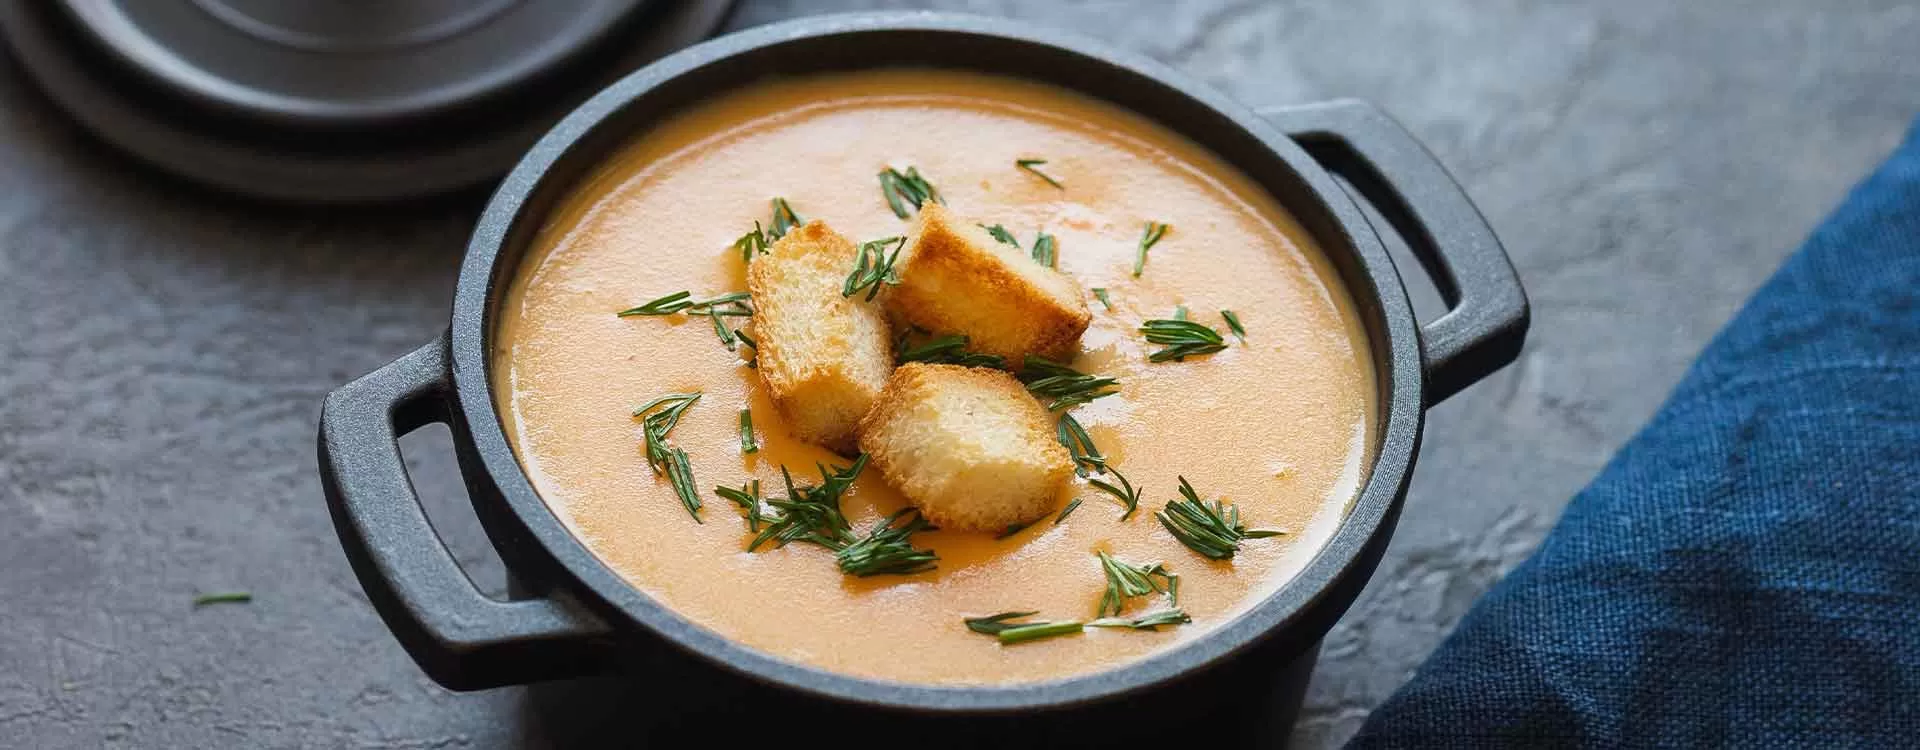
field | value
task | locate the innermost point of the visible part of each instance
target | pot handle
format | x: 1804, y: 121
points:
x: 1486, y: 319
x: 462, y: 638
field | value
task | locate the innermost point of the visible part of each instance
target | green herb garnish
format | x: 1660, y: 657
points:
x: 901, y: 189
x: 1100, y: 293
x: 224, y: 597
x: 784, y: 219
x: 1067, y: 387
x: 1038, y: 631
x: 753, y: 361
x: 751, y: 244
x: 1233, y: 323
x: 993, y: 624
x: 1214, y: 530
x: 680, y: 477
x: 664, y: 458
x: 1126, y: 493
x: 1155, y: 231
x: 747, y: 443
x: 1032, y: 165
x: 1086, y: 457
x: 656, y: 425
x: 1045, y: 251
x: 812, y: 514
x: 874, y: 267
x: 1019, y: 632
x: 1126, y: 581
x: 950, y: 350
x: 1000, y: 234
x: 1067, y: 511
x: 1153, y: 621
x: 1011, y: 529
x: 748, y: 498
x: 888, y: 549
x: 732, y: 305
x: 721, y: 330
x: 1182, y: 338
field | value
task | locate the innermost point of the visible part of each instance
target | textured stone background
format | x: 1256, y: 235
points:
x: 163, y: 352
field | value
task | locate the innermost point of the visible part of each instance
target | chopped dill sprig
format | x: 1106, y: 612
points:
x: 1233, y: 323
x: 752, y: 243
x: 663, y: 457
x: 950, y: 350
x: 1001, y: 627
x: 1088, y: 461
x: 993, y: 624
x: 747, y: 442
x: 720, y: 329
x: 1086, y: 457
x: 732, y: 305
x: 1000, y: 234
x: 906, y: 188
x: 1045, y: 251
x: 223, y: 597
x: 888, y: 549
x: 753, y: 360
x: 1011, y: 529
x: 1033, y: 166
x: 1100, y: 293
x: 1067, y: 511
x: 812, y: 514
x: 1182, y: 339
x: 656, y: 425
x: 874, y: 267
x: 784, y: 219
x: 1045, y: 248
x: 680, y: 477
x: 1151, y: 621
x: 748, y: 498
x: 1125, y: 492
x: 1067, y: 387
x: 1213, y: 530
x: 1127, y: 581
x: 1155, y: 230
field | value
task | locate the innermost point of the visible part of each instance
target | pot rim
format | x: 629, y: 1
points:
x: 1307, y: 595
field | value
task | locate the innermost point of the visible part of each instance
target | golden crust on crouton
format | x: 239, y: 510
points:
x: 824, y: 356
x: 968, y: 446
x: 955, y: 278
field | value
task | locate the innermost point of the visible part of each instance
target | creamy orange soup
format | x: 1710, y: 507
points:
x: 1280, y: 425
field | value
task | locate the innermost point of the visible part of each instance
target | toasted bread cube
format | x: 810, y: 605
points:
x: 955, y: 278
x: 967, y: 446
x: 825, y: 357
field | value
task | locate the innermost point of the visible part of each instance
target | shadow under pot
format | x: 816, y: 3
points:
x: 577, y: 611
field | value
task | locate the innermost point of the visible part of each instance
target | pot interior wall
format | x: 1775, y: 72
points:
x: 865, y: 50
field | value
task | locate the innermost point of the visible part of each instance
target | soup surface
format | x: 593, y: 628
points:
x: 1279, y: 425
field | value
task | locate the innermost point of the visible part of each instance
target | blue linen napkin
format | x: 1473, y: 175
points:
x: 1746, y: 572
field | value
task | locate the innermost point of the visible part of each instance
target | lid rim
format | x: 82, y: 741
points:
x: 133, y: 51
x: 234, y: 156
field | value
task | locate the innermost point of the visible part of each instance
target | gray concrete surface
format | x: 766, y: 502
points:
x: 163, y: 352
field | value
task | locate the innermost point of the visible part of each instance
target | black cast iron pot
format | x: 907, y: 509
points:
x: 580, y: 618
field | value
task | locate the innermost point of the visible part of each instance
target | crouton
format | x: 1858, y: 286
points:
x: 824, y: 356
x: 967, y: 446
x: 955, y: 278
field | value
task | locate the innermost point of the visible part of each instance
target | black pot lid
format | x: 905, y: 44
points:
x: 338, y: 100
